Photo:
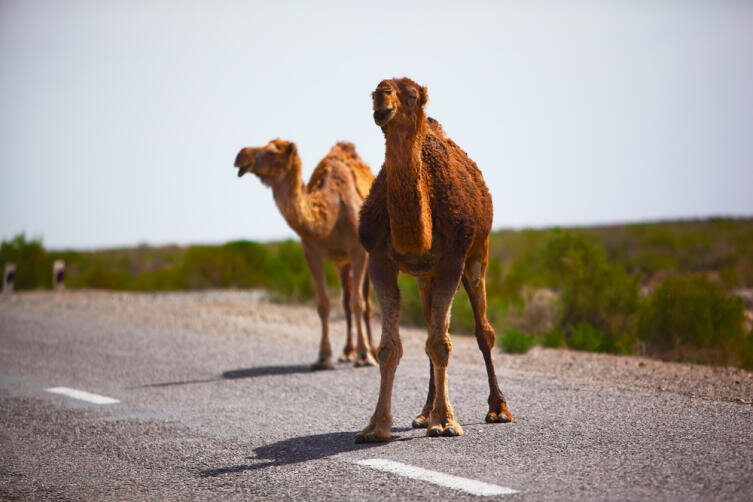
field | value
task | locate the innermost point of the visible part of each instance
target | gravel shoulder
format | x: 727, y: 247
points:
x: 238, y: 313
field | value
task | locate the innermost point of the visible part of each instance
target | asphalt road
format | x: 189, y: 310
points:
x: 220, y: 404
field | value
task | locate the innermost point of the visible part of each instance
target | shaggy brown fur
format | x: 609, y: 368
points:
x: 324, y: 214
x: 429, y: 214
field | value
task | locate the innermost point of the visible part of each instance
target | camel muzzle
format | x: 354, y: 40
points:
x: 246, y: 160
x: 382, y: 116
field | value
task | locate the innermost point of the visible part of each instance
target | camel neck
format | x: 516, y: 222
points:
x: 407, y: 190
x: 290, y: 197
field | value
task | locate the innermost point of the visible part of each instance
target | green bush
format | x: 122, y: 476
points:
x: 554, y: 339
x: 462, y: 319
x: 411, y: 312
x: 595, y: 272
x: 515, y: 342
x: 593, y: 290
x: 101, y: 277
x: 693, y: 319
x: 33, y: 265
x: 288, y: 273
x: 586, y: 337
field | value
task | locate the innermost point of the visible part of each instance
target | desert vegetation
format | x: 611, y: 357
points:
x: 672, y: 290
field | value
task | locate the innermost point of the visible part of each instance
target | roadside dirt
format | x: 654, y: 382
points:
x: 236, y: 312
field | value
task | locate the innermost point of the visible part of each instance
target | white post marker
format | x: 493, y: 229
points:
x: 58, y: 275
x: 446, y: 480
x: 82, y: 395
x: 9, y: 277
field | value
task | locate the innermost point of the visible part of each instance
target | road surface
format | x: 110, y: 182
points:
x: 215, y: 401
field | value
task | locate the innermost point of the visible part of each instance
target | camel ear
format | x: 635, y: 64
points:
x: 292, y: 150
x: 424, y: 96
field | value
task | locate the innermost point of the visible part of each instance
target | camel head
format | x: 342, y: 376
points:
x: 399, y: 100
x: 270, y: 163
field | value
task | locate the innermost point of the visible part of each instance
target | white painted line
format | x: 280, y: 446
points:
x: 448, y: 481
x: 82, y: 395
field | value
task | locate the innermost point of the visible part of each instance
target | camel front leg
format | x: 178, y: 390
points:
x: 424, y: 293
x: 438, y: 347
x: 473, y: 281
x: 383, y: 273
x: 314, y: 260
x: 358, y: 262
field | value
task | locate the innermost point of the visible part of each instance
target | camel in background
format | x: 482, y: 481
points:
x: 324, y: 214
x: 428, y: 214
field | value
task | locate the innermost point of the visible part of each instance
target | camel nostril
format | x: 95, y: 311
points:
x: 380, y: 115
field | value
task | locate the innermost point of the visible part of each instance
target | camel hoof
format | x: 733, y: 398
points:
x: 365, y: 360
x: 434, y: 432
x: 419, y: 423
x: 369, y: 437
x: 450, y: 432
x: 322, y: 364
x: 501, y: 418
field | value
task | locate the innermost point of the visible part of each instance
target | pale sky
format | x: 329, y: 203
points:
x: 120, y: 121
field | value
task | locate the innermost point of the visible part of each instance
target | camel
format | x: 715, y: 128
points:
x: 428, y: 214
x: 324, y: 214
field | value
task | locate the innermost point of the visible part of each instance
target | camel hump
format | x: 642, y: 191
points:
x: 436, y: 127
x: 341, y: 152
x: 345, y: 153
x: 362, y: 175
x: 345, y: 146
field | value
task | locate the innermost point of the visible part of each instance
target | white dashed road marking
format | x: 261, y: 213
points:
x: 82, y: 395
x: 446, y: 480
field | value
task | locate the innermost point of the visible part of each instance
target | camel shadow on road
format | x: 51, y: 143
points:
x: 299, y: 449
x: 258, y: 371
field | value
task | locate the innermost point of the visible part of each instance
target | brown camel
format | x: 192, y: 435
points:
x: 324, y: 214
x: 429, y: 214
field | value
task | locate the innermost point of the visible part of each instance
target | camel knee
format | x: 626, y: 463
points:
x: 367, y: 309
x: 390, y: 354
x: 438, y: 351
x: 486, y: 335
x: 475, y: 274
x: 323, y: 310
x: 357, y: 304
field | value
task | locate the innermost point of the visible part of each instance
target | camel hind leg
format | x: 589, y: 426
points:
x: 367, y: 312
x: 475, y: 286
x: 349, y: 352
x: 364, y: 355
x: 441, y: 291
